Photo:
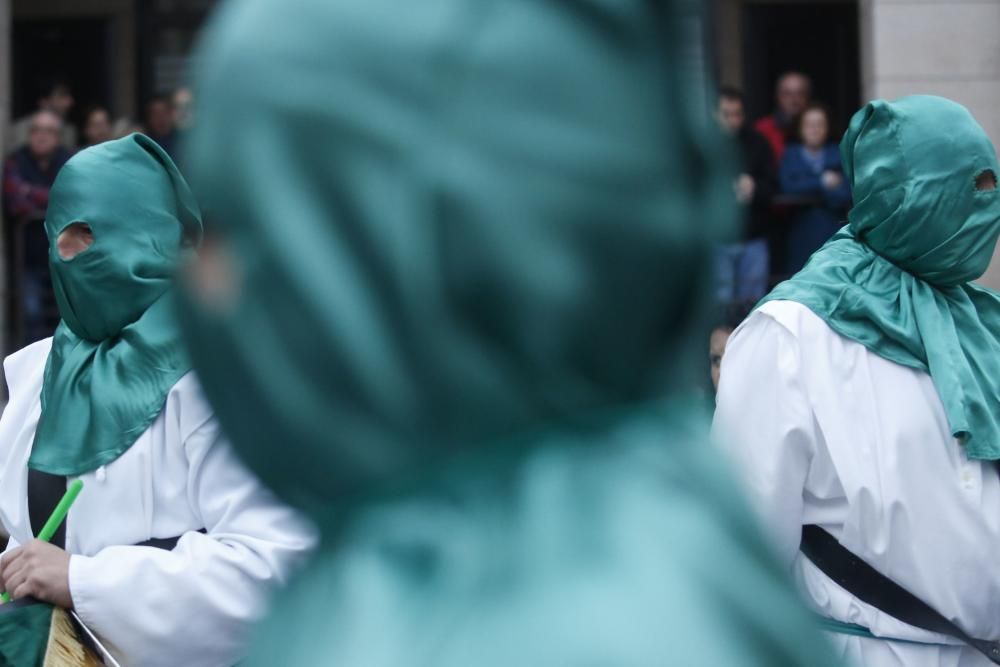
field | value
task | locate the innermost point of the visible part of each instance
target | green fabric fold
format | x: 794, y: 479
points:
x: 24, y: 633
x: 117, y: 351
x: 896, y: 279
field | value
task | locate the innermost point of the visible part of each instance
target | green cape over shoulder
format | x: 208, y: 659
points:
x: 897, y: 278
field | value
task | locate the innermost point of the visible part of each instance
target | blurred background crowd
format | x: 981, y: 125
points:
x: 790, y: 187
x: 791, y: 73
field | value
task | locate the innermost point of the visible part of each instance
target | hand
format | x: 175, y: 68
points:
x: 745, y: 188
x: 831, y: 180
x: 39, y: 570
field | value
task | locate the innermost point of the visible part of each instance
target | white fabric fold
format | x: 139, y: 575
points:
x: 824, y: 431
x: 194, y: 605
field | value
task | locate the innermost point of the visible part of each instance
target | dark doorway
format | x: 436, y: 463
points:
x: 74, y: 52
x: 818, y: 38
x: 70, y: 50
x: 167, y: 32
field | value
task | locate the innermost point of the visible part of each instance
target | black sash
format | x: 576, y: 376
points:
x: 44, y: 493
x: 869, y: 585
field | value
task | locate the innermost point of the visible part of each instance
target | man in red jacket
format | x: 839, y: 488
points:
x: 792, y: 94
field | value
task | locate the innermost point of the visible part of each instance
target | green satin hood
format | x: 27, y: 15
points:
x: 897, y: 278
x: 438, y: 245
x: 912, y: 165
x: 459, y: 258
x: 116, y: 352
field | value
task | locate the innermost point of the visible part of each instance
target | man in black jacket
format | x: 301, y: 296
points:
x: 744, y: 267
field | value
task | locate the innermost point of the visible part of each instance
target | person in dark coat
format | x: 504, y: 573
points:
x: 792, y: 95
x: 28, y: 174
x: 811, y: 169
x: 744, y: 267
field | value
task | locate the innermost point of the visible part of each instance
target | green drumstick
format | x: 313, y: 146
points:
x: 58, y: 516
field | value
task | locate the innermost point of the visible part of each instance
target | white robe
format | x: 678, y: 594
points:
x: 826, y: 432
x: 193, y: 605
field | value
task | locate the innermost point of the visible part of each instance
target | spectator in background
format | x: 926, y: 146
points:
x: 31, y: 169
x: 811, y: 168
x: 54, y: 96
x: 97, y: 126
x: 160, y: 124
x: 793, y: 93
x: 28, y: 175
x: 716, y: 348
x: 732, y: 316
x: 744, y: 267
x: 183, y: 103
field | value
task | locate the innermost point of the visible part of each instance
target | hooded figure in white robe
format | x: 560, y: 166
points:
x: 173, y: 547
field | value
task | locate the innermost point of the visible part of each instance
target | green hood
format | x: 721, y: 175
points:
x: 896, y: 279
x: 912, y: 165
x: 447, y: 231
x: 460, y: 260
x: 117, y: 351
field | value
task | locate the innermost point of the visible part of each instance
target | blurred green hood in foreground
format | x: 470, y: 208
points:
x: 459, y: 261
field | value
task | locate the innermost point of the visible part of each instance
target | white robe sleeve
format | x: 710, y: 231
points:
x: 764, y: 422
x: 194, y: 605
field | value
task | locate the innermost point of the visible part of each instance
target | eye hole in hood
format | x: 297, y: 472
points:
x: 986, y: 181
x: 73, y: 240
